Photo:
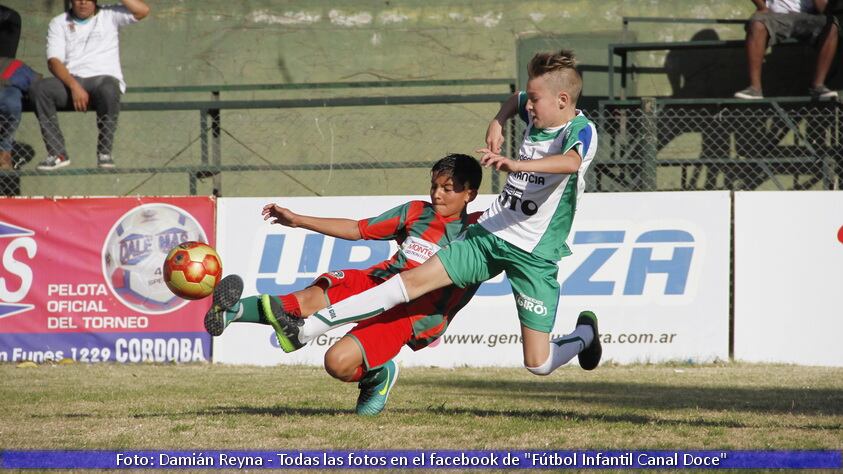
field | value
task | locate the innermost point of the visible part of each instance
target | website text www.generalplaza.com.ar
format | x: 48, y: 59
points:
x: 493, y: 340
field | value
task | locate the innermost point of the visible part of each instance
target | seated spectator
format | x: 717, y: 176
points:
x: 15, y: 81
x: 83, y: 55
x: 777, y: 20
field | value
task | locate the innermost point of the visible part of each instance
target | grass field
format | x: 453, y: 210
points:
x: 729, y: 406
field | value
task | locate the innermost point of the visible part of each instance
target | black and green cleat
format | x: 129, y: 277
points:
x: 589, y: 357
x: 226, y: 307
x: 286, y: 326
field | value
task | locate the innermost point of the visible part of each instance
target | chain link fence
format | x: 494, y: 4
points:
x: 369, y: 145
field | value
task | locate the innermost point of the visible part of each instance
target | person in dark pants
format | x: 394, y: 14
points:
x: 83, y: 54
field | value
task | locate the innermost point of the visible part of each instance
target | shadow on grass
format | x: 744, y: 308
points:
x: 520, y: 414
x: 764, y: 400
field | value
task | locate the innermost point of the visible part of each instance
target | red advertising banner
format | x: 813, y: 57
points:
x: 81, y: 278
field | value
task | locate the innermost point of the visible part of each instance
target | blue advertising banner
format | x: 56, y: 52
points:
x: 426, y: 459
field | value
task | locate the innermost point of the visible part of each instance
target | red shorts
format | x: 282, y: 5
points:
x: 380, y: 338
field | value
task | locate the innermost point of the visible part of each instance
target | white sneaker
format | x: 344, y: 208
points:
x: 105, y: 161
x: 53, y: 163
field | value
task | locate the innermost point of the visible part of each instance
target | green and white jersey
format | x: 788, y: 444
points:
x: 534, y: 211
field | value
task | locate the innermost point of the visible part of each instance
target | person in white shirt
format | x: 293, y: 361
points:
x: 83, y: 53
x: 777, y: 20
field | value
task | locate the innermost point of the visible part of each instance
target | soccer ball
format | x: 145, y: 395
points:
x: 192, y: 270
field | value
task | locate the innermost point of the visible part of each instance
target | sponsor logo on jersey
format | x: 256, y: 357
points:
x: 511, y: 198
x: 528, y: 177
x: 418, y: 250
x: 531, y: 304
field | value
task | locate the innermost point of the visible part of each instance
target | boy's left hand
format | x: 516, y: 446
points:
x: 491, y: 159
x: 276, y: 214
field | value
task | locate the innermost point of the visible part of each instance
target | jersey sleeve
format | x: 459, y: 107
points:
x: 55, y: 40
x: 387, y: 226
x: 119, y: 15
x: 522, y: 107
x: 580, y: 137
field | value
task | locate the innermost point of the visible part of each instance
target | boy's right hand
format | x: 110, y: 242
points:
x: 494, y: 136
x: 276, y: 214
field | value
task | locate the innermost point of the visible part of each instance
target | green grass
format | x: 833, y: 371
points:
x: 731, y: 406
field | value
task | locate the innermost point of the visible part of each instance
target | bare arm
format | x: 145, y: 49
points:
x: 566, y: 163
x: 333, y: 227
x: 820, y: 5
x: 137, y: 8
x: 760, y: 5
x: 79, y: 95
x: 494, y: 134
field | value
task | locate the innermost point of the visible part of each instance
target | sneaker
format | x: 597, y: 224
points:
x: 822, y: 92
x: 749, y: 93
x: 286, y: 326
x: 375, y: 387
x: 105, y: 161
x: 226, y: 307
x: 53, y: 162
x: 590, y: 356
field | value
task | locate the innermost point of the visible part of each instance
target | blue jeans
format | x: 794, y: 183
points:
x: 10, y: 112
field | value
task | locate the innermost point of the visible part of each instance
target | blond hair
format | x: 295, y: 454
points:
x: 561, y: 68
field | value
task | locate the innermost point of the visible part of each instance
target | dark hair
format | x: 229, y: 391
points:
x: 463, y: 169
x: 563, y: 64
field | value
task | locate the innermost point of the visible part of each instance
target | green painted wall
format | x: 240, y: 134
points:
x: 235, y: 42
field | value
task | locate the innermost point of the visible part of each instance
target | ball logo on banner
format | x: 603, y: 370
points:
x: 134, y: 250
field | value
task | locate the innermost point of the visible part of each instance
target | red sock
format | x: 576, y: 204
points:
x: 291, y: 305
x: 358, y: 374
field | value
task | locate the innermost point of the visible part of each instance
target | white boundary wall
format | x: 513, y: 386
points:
x: 789, y: 277
x: 653, y: 266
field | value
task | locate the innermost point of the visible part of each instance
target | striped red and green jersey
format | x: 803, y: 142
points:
x: 420, y: 232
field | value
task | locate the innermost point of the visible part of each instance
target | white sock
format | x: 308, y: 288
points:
x: 563, y: 349
x: 355, y: 308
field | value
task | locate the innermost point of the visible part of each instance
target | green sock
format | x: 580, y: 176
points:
x: 251, y: 313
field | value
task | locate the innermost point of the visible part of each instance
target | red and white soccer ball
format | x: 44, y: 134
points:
x: 192, y: 270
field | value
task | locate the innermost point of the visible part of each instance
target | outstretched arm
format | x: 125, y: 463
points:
x: 566, y: 163
x: 333, y: 227
x: 138, y: 8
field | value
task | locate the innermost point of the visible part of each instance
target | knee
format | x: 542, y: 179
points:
x: 756, y: 28
x: 108, y: 88
x: 339, y: 365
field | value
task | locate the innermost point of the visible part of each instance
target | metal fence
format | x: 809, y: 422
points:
x: 368, y: 144
x: 697, y: 144
x: 354, y: 144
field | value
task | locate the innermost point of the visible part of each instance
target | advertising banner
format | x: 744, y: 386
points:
x: 789, y: 277
x: 654, y: 267
x: 80, y: 278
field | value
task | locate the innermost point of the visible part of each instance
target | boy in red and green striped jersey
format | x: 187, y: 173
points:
x: 365, y: 354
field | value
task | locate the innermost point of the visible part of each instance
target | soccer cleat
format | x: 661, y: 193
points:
x: 749, y: 94
x: 226, y: 307
x: 375, y: 387
x: 53, y: 162
x: 105, y: 160
x: 286, y: 326
x: 590, y: 356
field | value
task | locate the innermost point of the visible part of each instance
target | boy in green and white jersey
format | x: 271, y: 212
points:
x: 522, y: 233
